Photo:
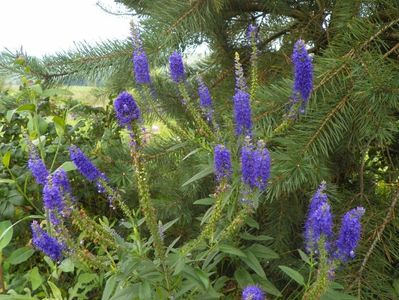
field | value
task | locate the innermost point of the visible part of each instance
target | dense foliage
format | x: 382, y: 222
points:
x: 217, y: 243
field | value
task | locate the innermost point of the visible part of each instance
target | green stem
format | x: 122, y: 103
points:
x: 146, y: 203
x: 56, y: 154
x: 202, y: 125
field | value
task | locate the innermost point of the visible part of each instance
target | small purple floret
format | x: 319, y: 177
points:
x: 303, y: 70
x: 242, y: 113
x: 222, y: 162
x: 253, y: 292
x: 349, y: 234
x: 126, y: 109
x: 50, y: 246
x: 38, y: 168
x: 176, y: 67
x: 141, y: 67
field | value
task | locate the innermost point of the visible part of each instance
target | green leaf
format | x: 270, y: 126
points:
x: 55, y: 290
x: 35, y: 278
x: 205, y: 172
x: 9, y: 115
x: 6, y: 159
x: 243, y: 278
x: 261, y: 251
x: 109, y: 288
x: 67, y: 166
x: 20, y: 255
x: 269, y: 287
x: 304, y: 256
x: 250, y: 237
x: 293, y: 274
x: 252, y: 223
x: 6, y: 232
x: 145, y: 290
x: 333, y: 295
x: 229, y: 249
x: 205, y: 201
x: 67, y: 265
x: 254, y: 263
x: 26, y: 107
x: 59, y: 125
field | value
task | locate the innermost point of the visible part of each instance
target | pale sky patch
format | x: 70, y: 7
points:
x: 50, y: 26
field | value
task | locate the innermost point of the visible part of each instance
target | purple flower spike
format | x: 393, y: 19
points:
x: 248, y: 166
x: 349, y: 234
x: 253, y: 292
x: 52, y: 196
x: 242, y: 113
x: 319, y: 221
x: 204, y: 95
x: 318, y: 224
x: 126, y: 109
x: 222, y: 163
x: 50, y: 246
x: 252, y: 33
x: 84, y: 165
x: 141, y: 67
x: 38, y: 168
x: 263, y: 165
x: 303, y: 70
x: 176, y: 67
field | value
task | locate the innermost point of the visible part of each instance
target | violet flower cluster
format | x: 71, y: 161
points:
x: 349, y: 234
x: 303, y: 71
x: 319, y: 224
x: 86, y: 168
x: 56, y: 189
x: 205, y: 99
x: 255, y: 166
x: 140, y: 61
x: 126, y: 109
x: 176, y: 67
x: 253, y: 292
x: 46, y: 243
x: 37, y: 167
x: 222, y: 163
x: 252, y: 33
x: 242, y: 113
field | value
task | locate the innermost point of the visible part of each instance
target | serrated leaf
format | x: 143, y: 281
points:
x: 252, y: 262
x: 203, y: 173
x: 266, y: 285
x: 243, y: 277
x: 109, y: 288
x: 229, y: 249
x: 20, y: 255
x: 304, y: 256
x: 6, y: 232
x: 261, y: 251
x: 6, y: 159
x: 205, y: 201
x: 293, y: 274
x: 249, y: 237
x: 252, y: 223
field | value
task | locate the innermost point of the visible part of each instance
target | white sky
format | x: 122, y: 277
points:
x: 47, y: 26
